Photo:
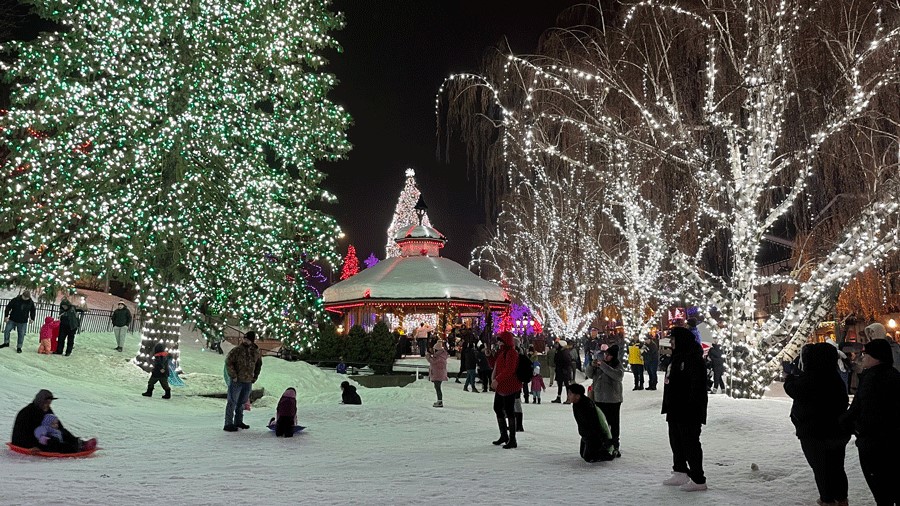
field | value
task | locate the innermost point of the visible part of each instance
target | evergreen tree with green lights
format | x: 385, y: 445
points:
x: 172, y: 145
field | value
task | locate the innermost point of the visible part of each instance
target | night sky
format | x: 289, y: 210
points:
x: 396, y: 54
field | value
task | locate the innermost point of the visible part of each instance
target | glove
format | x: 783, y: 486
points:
x: 44, y: 440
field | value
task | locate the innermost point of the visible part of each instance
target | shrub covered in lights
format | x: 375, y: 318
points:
x: 172, y: 144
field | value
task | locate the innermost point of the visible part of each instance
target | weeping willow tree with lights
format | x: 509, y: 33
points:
x: 740, y: 112
x: 172, y: 145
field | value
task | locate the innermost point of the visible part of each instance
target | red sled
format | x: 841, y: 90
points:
x: 38, y: 453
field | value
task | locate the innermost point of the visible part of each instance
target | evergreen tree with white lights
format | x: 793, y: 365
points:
x: 176, y: 151
x: 404, y: 213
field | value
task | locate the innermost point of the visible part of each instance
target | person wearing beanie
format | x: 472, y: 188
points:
x: 17, y: 314
x: 877, y: 331
x: 820, y: 398
x: 120, y: 319
x: 596, y: 439
x: 873, y: 417
x: 68, y: 326
x: 506, y: 389
x: 563, y: 366
x: 243, y: 364
x: 348, y: 394
x: 606, y: 391
x: 160, y: 372
x: 684, y: 404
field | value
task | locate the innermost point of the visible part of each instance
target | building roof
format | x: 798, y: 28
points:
x: 411, y: 278
x: 419, y: 232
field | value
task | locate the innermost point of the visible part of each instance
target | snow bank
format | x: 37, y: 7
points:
x: 394, y: 449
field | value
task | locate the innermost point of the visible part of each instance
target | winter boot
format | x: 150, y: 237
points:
x: 676, y: 480
x: 466, y: 388
x: 242, y: 425
x: 4, y: 345
x: 557, y: 401
x: 168, y: 395
x: 148, y: 393
x: 438, y: 404
x: 519, y: 423
x: 512, y: 440
x: 504, y: 432
x: 526, y: 398
x: 690, y: 486
x: 538, y: 400
x: 230, y: 428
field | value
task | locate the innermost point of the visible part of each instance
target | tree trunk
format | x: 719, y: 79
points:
x: 162, y: 323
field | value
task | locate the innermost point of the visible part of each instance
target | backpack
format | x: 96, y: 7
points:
x: 524, y: 369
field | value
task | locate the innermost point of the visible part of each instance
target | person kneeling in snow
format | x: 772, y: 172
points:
x: 32, y: 417
x: 348, y: 394
x: 49, y: 332
x: 286, y: 414
x: 596, y: 439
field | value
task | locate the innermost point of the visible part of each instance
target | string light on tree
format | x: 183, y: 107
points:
x: 404, y: 213
x: 351, y: 264
x: 179, y: 156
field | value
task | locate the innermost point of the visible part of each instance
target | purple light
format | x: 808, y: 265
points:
x: 371, y: 260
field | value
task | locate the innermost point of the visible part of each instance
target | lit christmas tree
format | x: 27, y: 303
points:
x: 179, y: 156
x: 351, y: 264
x: 371, y: 260
x: 404, y: 213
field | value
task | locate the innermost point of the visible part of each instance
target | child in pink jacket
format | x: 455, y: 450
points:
x: 537, y: 384
x: 49, y: 332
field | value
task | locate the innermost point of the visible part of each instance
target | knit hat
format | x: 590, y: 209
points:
x: 876, y: 331
x: 537, y: 369
x: 345, y: 384
x: 575, y: 388
x: 250, y: 336
x: 880, y: 350
x: 613, y: 350
x: 26, y: 294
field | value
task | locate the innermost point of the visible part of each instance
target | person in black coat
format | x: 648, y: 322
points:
x: 484, y: 368
x: 718, y: 366
x: 820, y: 399
x: 30, y: 417
x: 17, y: 314
x: 596, y: 440
x: 562, y: 363
x: 874, y: 417
x: 348, y: 394
x: 160, y: 372
x: 470, y: 358
x: 684, y: 404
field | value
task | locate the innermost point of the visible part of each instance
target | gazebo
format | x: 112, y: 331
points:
x: 419, y: 281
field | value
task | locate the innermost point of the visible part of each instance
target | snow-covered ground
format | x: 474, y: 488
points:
x: 394, y: 449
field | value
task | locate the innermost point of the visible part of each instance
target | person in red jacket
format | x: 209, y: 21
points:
x: 506, y: 389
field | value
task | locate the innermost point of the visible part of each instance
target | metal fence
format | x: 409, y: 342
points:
x: 92, y: 320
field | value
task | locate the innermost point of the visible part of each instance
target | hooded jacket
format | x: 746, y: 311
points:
x: 562, y: 362
x: 287, y: 405
x: 716, y: 359
x: 30, y: 418
x: 46, y: 431
x: 349, y: 395
x: 607, y: 376
x: 244, y: 363
x: 684, y: 395
x: 67, y: 316
x: 437, y: 360
x: 505, y: 367
x: 820, y: 396
x: 160, y: 362
x: 875, y: 412
x: 47, y: 329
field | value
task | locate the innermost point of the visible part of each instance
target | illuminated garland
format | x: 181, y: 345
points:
x: 180, y: 155
x: 736, y: 150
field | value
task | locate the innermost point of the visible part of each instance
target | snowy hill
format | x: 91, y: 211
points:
x: 394, y: 449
